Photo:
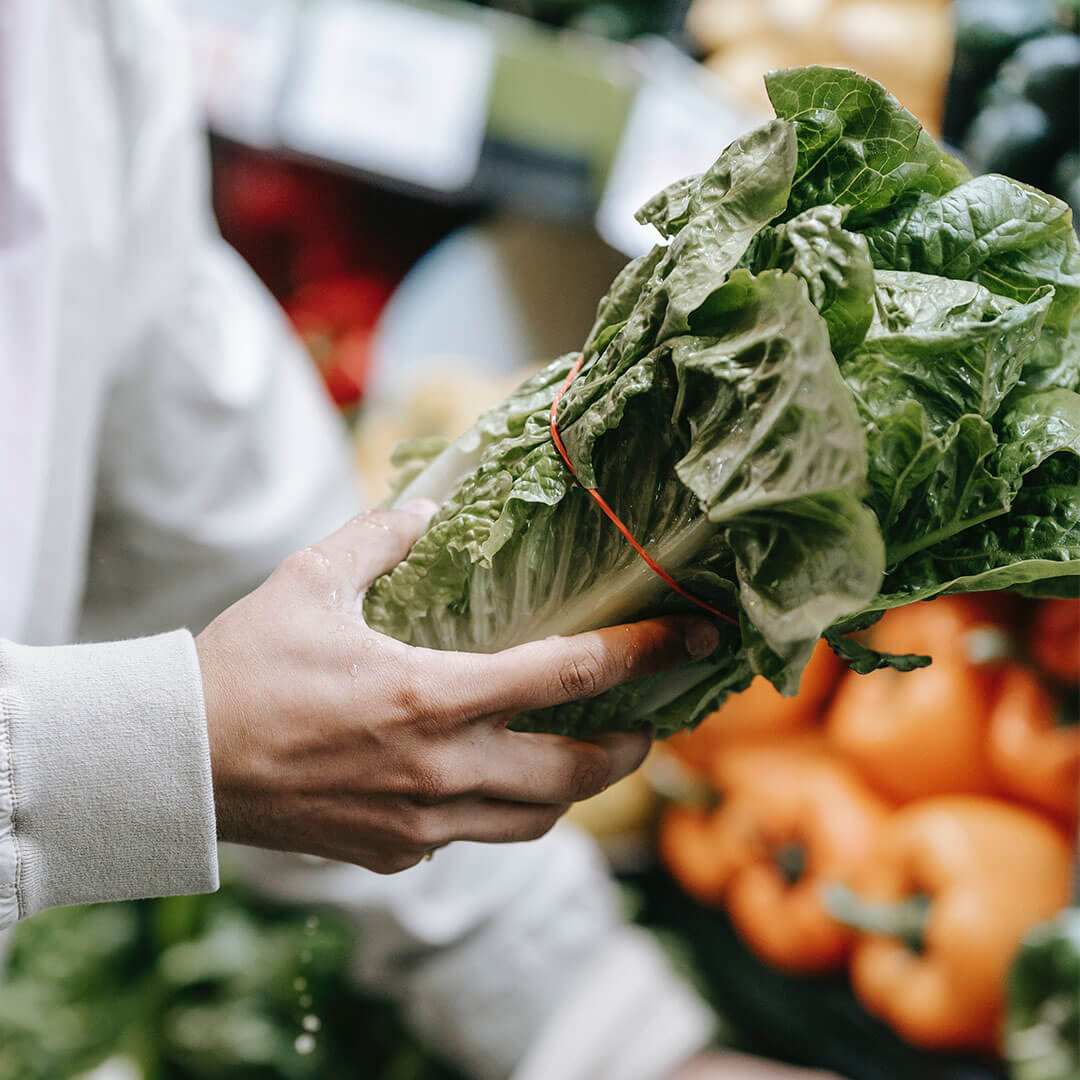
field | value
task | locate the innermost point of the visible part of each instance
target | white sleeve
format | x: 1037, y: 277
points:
x: 218, y: 454
x: 105, y: 789
x: 513, y: 960
x: 220, y: 451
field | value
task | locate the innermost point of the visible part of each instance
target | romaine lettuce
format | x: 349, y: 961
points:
x: 844, y: 381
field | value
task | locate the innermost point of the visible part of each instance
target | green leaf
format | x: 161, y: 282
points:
x: 411, y: 456
x: 1011, y: 238
x: 858, y: 146
x: 1039, y: 538
x: 858, y: 656
x: 774, y: 482
x: 834, y: 263
x: 929, y: 379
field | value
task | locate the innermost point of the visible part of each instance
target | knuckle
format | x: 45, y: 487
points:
x: 430, y: 782
x: 589, y: 776
x: 581, y: 675
x: 392, y: 522
x: 409, y: 698
x: 308, y: 565
x: 407, y: 826
x: 426, y: 833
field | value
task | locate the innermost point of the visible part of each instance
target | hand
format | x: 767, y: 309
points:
x: 331, y: 739
x: 730, y: 1066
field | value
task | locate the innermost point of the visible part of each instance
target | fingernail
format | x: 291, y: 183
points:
x: 420, y: 507
x: 701, y: 640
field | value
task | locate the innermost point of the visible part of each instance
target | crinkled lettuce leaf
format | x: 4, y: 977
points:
x: 858, y: 147
x: 834, y: 263
x: 1014, y: 240
x: 712, y: 416
x: 940, y: 358
x: 845, y: 380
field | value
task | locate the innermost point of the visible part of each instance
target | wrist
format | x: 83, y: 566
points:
x: 220, y: 697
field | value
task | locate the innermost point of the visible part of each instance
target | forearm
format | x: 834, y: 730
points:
x: 105, y: 789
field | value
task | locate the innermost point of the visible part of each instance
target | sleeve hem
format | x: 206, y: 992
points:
x: 108, y: 772
x: 9, y: 845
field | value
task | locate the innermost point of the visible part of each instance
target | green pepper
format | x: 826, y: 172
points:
x: 1043, y: 1037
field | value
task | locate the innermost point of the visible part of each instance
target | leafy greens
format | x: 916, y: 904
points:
x: 845, y: 380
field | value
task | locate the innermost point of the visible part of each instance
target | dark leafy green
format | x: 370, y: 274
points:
x: 843, y: 381
x: 859, y: 148
x: 1010, y: 238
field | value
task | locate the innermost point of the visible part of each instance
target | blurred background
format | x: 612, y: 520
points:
x: 438, y: 194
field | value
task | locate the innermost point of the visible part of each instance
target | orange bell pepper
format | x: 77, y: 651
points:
x: 944, y: 901
x: 1055, y: 639
x: 760, y: 710
x: 791, y: 819
x: 918, y: 733
x: 1032, y: 756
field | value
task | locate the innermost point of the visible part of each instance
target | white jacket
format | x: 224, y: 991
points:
x: 163, y: 442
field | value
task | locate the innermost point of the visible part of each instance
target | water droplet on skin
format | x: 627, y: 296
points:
x: 333, y: 596
x: 311, y: 1023
x: 299, y: 983
x: 369, y: 643
x: 304, y: 1044
x: 305, y: 1001
x: 354, y: 670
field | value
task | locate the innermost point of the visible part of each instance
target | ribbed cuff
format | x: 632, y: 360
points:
x: 109, y: 771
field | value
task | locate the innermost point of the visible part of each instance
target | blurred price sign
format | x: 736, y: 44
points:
x: 240, y: 51
x: 681, y: 119
x: 391, y: 89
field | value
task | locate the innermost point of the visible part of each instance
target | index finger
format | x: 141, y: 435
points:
x: 542, y: 674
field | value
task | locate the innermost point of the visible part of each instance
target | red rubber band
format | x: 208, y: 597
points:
x: 614, y: 518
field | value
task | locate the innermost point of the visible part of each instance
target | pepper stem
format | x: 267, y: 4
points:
x: 905, y: 919
x: 791, y: 862
x: 1068, y: 712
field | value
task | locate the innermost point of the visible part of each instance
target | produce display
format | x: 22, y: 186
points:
x: 909, y: 828
x: 1014, y: 95
x: 335, y: 319
x: 844, y: 383
x: 218, y: 987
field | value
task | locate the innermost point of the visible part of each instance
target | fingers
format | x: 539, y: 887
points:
x: 548, y: 769
x: 492, y: 821
x: 406, y: 831
x: 625, y: 750
x: 375, y: 542
x: 553, y: 672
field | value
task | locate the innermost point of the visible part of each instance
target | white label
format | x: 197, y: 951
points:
x: 681, y: 120
x: 240, y: 50
x: 393, y: 90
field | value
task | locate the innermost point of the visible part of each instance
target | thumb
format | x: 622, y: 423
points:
x: 374, y: 542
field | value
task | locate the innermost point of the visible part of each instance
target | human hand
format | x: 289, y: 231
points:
x: 330, y: 739
x: 730, y: 1066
